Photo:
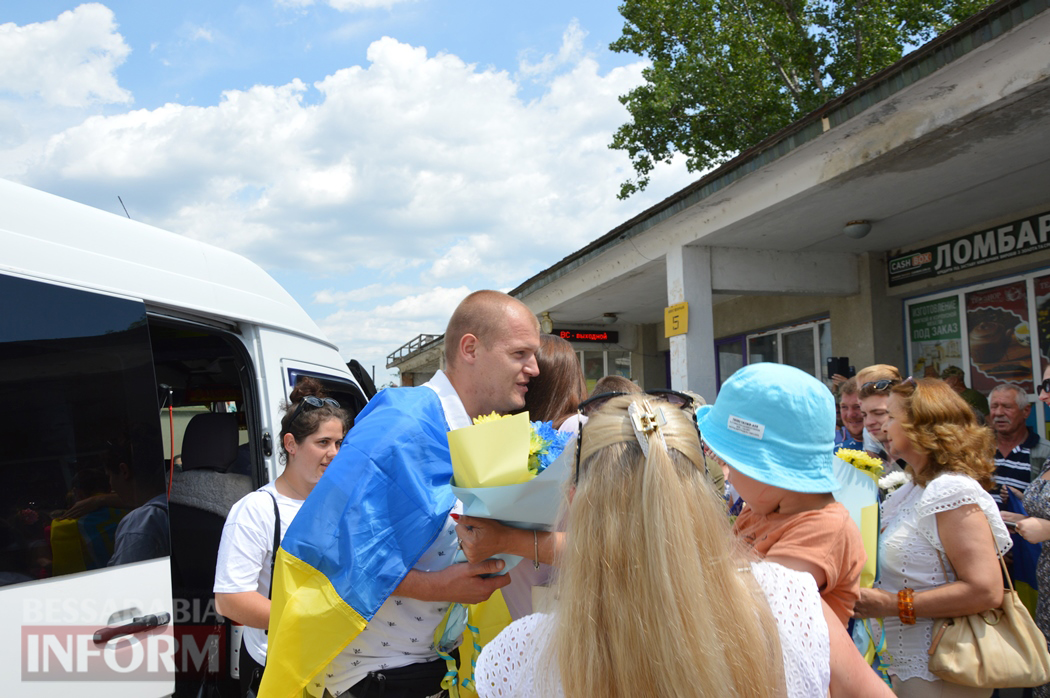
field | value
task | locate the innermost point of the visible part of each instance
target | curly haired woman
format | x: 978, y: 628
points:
x: 940, y: 532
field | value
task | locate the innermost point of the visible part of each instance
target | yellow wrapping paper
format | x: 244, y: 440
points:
x: 491, y: 454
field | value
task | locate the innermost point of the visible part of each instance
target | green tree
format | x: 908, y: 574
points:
x: 726, y: 74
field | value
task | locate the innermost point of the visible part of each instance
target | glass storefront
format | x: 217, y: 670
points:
x: 997, y: 332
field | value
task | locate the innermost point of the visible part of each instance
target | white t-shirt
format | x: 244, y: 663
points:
x: 246, y: 550
x: 517, y: 664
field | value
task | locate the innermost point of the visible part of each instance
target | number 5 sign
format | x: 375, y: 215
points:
x: 676, y: 319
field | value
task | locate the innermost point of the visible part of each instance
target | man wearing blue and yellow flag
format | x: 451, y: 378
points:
x: 364, y: 574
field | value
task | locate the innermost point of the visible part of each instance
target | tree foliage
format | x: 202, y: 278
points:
x: 726, y: 74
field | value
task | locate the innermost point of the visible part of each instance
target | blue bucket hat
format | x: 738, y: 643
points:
x: 775, y: 424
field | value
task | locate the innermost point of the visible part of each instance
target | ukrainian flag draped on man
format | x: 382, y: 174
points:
x: 381, y: 503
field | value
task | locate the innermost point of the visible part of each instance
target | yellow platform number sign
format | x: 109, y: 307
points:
x: 676, y: 319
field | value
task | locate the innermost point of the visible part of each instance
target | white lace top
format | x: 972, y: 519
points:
x: 908, y: 546
x: 515, y: 664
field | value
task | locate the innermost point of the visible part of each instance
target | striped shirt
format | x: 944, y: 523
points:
x: 1015, y: 469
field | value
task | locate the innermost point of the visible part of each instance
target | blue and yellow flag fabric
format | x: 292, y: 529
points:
x: 379, y: 506
x: 1025, y: 557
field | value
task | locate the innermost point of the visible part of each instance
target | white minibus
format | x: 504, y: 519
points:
x: 125, y: 349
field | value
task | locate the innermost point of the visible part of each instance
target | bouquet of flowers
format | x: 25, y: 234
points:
x: 861, y: 461
x: 510, y: 469
x: 893, y: 481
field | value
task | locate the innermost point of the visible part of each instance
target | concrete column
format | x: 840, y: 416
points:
x: 693, y: 353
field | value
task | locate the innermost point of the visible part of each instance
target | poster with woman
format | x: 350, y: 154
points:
x: 999, y: 337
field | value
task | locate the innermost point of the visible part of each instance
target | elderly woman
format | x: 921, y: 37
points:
x: 940, y: 532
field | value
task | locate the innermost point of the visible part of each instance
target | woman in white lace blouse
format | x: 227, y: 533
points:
x: 945, y: 515
x: 655, y: 597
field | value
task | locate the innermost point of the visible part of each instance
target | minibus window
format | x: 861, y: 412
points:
x: 82, y: 449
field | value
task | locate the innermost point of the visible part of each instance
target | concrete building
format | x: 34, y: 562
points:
x: 943, y: 160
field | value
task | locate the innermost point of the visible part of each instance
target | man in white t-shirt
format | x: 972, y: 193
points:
x: 490, y: 348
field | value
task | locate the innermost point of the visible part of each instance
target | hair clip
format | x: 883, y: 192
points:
x: 646, y: 420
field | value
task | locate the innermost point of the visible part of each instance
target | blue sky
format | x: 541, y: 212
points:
x: 380, y: 158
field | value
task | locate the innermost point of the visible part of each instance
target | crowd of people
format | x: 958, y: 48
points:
x: 655, y: 586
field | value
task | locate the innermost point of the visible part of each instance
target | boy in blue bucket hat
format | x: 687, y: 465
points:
x: 773, y: 427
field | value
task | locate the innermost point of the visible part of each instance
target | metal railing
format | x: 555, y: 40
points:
x: 411, y: 348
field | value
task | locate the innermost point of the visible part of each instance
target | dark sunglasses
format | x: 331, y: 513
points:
x: 310, y: 403
x: 1043, y: 387
x: 884, y: 384
x: 595, y: 403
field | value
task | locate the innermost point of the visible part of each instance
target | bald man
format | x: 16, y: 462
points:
x: 395, y: 540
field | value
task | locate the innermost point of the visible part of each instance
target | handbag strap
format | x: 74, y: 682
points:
x: 273, y: 555
x: 276, y: 541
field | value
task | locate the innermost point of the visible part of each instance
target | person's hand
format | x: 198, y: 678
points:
x: 1012, y: 516
x: 837, y: 380
x: 1033, y: 529
x: 483, y: 538
x: 89, y: 504
x: 468, y: 582
x: 875, y: 603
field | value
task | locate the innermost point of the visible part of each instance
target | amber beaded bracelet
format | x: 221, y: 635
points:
x: 905, y: 605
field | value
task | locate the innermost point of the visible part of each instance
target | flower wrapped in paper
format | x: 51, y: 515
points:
x: 859, y: 474
x: 510, y: 469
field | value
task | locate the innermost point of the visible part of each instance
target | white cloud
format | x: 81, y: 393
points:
x: 366, y: 293
x: 201, y: 34
x: 411, y: 171
x: 354, y: 5
x: 69, y: 61
x: 371, y: 335
x: 343, y: 5
x: 571, y: 51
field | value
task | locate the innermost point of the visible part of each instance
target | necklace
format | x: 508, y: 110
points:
x: 286, y: 482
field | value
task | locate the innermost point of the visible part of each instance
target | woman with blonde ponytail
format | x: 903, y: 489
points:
x: 655, y: 597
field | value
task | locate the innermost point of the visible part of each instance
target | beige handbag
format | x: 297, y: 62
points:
x: 999, y: 648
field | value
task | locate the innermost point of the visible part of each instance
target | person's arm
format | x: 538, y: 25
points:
x: 89, y: 504
x: 970, y: 549
x: 459, y: 583
x: 1033, y: 529
x: 850, y: 674
x: 246, y: 607
x: 481, y: 539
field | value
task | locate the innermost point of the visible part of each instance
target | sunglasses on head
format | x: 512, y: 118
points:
x: 310, y: 403
x: 596, y: 402
x: 884, y: 384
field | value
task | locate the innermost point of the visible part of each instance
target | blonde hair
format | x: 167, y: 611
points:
x: 655, y: 594
x: 942, y: 426
x: 877, y: 372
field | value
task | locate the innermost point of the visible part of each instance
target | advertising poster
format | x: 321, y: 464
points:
x: 936, y: 338
x: 999, y: 337
x: 1042, y: 318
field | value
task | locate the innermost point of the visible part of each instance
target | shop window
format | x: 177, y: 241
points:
x: 997, y: 332
x: 597, y: 364
x: 805, y: 346
x: 731, y: 356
